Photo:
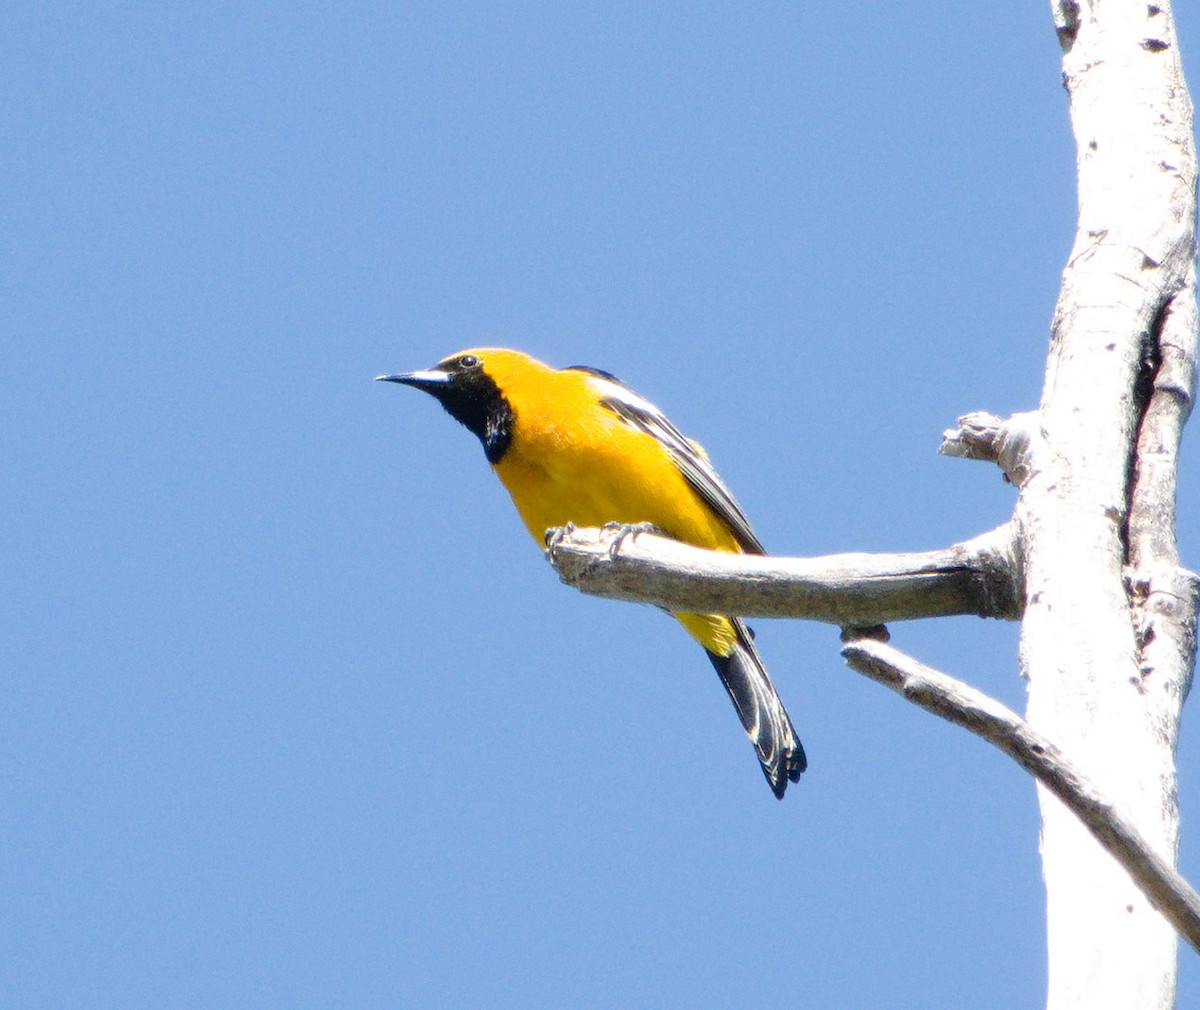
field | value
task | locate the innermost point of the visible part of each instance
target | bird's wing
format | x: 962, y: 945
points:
x: 687, y: 455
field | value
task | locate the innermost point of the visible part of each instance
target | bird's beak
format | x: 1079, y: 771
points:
x: 429, y: 380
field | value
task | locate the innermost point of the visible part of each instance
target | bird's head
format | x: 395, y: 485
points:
x: 469, y: 385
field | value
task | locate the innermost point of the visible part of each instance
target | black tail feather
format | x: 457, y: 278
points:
x: 762, y: 713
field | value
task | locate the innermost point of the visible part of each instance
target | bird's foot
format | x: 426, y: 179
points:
x: 554, y: 536
x: 628, y: 530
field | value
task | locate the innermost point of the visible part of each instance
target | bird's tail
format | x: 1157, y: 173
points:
x: 762, y: 713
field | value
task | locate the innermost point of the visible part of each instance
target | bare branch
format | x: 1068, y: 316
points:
x: 976, y: 577
x: 1163, y: 593
x: 1004, y: 441
x: 978, y: 436
x: 963, y: 705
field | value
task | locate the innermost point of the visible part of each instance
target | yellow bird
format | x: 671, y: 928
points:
x: 575, y: 445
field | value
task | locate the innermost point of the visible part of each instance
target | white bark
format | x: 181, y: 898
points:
x: 1079, y: 648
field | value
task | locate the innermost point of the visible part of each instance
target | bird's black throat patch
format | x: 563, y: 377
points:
x: 473, y: 399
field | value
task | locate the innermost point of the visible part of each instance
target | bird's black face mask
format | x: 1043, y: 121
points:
x: 470, y: 396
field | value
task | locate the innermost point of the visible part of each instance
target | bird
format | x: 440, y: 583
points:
x: 577, y: 446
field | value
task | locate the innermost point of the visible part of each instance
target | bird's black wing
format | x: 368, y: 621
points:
x: 687, y: 455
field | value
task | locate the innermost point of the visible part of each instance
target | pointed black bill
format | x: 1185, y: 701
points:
x: 430, y: 380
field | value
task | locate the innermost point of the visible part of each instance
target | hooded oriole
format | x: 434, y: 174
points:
x: 575, y: 445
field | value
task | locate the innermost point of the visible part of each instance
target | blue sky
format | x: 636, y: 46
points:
x: 294, y: 714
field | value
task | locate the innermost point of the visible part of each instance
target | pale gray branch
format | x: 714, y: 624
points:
x: 976, y: 577
x: 963, y: 705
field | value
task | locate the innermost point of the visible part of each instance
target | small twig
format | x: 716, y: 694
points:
x: 963, y: 705
x: 977, y: 436
x: 1004, y: 441
x: 852, y: 590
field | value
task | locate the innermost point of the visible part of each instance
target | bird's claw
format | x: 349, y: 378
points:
x: 554, y: 536
x: 627, y: 530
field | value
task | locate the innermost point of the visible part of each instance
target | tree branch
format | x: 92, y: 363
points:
x: 1004, y: 441
x: 963, y: 705
x: 1163, y: 593
x: 978, y: 577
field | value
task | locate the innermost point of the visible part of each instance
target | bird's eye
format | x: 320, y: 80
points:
x: 468, y: 361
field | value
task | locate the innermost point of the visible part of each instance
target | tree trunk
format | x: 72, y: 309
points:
x: 1098, y: 591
